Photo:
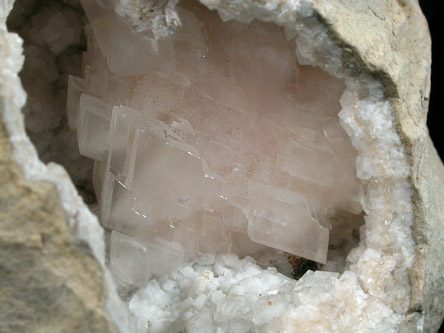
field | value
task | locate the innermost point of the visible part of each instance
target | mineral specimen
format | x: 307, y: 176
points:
x: 378, y: 52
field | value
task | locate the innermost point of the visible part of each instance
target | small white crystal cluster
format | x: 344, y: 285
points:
x: 386, y: 247
x: 157, y: 17
x: 313, y: 45
x: 225, y: 294
x: 219, y: 293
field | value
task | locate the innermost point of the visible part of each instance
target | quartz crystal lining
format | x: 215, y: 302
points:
x: 213, y: 140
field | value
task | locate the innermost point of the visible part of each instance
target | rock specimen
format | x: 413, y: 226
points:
x: 376, y: 52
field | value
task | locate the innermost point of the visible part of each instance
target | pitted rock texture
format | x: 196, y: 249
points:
x: 48, y: 281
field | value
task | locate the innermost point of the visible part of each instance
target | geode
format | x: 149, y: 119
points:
x: 233, y: 142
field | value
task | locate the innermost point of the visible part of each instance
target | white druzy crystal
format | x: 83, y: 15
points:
x: 224, y: 292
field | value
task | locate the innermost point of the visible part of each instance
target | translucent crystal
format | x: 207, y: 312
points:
x: 212, y: 140
x: 134, y: 262
x: 76, y: 87
x: 93, y: 127
x: 127, y: 53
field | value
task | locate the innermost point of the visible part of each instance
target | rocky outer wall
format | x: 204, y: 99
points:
x: 390, y: 41
x: 49, y: 280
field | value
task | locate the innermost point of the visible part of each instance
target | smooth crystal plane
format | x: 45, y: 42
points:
x: 210, y: 139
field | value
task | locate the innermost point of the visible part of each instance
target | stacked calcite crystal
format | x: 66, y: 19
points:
x: 210, y: 139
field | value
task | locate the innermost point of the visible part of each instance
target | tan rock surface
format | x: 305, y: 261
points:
x: 48, y: 281
x: 395, y: 48
x: 387, y: 39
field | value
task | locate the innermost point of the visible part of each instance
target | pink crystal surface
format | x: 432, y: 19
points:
x: 212, y: 140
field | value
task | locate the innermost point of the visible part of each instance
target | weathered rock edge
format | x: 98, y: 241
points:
x: 394, y: 48
x: 52, y: 276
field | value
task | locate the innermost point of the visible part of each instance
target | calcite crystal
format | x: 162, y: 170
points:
x: 219, y: 142
x: 377, y: 52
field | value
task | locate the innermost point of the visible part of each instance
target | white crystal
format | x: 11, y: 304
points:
x: 127, y: 53
x: 135, y: 262
x: 77, y: 87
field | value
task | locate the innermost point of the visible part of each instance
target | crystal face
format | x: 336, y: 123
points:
x: 210, y: 140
